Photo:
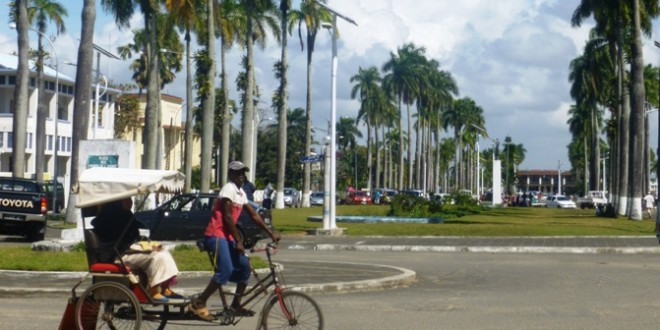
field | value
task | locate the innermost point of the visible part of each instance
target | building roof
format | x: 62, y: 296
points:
x: 9, y: 63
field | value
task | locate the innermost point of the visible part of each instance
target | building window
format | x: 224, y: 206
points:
x: 10, y: 140
x: 12, y: 80
x: 33, y: 82
x: 68, y: 144
x: 29, y: 141
x: 3, y: 80
x: 49, y: 142
x: 2, y: 139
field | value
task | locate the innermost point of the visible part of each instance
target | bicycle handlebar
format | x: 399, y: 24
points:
x: 272, y: 246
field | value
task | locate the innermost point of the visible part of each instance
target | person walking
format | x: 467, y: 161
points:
x: 649, y: 204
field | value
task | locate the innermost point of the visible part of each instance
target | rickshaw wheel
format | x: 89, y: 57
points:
x: 108, y: 305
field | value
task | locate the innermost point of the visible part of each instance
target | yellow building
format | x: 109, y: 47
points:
x: 171, y: 135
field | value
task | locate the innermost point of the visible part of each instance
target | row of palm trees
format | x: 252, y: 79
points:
x: 610, y: 76
x: 408, y: 80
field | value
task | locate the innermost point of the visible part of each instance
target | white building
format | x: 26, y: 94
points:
x: 101, y: 129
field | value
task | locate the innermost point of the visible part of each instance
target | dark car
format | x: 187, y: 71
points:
x: 185, y: 217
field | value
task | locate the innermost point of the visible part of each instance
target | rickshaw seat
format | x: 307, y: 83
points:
x: 92, y: 249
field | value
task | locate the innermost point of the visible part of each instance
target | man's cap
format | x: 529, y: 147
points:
x: 237, y: 166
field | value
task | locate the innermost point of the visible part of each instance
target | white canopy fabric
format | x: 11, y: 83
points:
x: 100, y: 185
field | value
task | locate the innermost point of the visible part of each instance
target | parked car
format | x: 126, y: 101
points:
x: 185, y: 217
x: 291, y: 197
x: 316, y: 198
x: 559, y: 201
x: 414, y: 192
x: 358, y: 198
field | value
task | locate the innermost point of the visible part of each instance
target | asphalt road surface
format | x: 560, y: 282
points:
x: 460, y: 291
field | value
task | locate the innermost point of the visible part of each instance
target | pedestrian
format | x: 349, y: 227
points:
x: 248, y: 187
x: 267, y: 199
x: 649, y: 203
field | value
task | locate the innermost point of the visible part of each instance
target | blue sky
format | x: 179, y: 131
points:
x: 511, y: 57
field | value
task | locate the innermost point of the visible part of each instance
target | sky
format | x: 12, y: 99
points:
x: 511, y: 57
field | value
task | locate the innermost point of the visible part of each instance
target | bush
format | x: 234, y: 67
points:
x: 417, y: 207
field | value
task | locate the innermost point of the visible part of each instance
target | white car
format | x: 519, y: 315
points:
x: 559, y: 201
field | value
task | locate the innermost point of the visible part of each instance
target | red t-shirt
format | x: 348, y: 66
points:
x: 236, y: 195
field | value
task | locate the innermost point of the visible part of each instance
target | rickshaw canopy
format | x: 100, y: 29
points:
x: 99, y: 185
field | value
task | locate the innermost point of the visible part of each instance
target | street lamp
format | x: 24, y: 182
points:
x: 57, y: 104
x: 559, y: 162
x: 333, y: 114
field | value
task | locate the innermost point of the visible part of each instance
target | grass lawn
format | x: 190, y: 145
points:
x: 293, y: 221
x: 512, y: 221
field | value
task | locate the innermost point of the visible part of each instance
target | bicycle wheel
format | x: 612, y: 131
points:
x: 108, y: 305
x: 296, y: 311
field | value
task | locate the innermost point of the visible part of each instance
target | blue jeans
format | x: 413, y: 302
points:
x: 229, y: 264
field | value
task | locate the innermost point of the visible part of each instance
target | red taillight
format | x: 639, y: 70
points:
x: 44, y: 205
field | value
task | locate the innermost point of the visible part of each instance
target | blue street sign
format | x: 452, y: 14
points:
x: 311, y: 159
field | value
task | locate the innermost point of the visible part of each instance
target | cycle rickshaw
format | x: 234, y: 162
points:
x: 118, y: 297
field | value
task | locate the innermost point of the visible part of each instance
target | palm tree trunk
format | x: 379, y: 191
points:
x: 282, y: 113
x: 410, y: 149
x: 400, y: 185
x: 81, y: 104
x: 226, y: 118
x: 247, y: 122
x: 369, y: 156
x: 208, y: 104
x: 40, y: 143
x: 637, y: 118
x: 152, y: 110
x: 187, y: 163
x: 19, y: 126
x: 378, y: 158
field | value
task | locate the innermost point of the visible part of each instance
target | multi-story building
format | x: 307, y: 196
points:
x: 101, y: 128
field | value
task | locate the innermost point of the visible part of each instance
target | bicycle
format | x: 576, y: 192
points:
x: 296, y: 309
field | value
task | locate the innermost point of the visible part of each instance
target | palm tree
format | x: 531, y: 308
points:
x: 184, y: 12
x: 462, y: 114
x: 402, y: 81
x: 229, y: 23
x: 39, y: 13
x: 368, y: 87
x: 19, y: 126
x: 123, y: 10
x: 260, y: 16
x: 81, y: 105
x: 312, y: 16
x: 588, y: 75
x: 285, y: 7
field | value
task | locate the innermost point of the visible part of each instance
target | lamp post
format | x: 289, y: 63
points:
x: 603, y: 158
x: 333, y: 114
x: 172, y: 137
x: 57, y: 104
x: 496, y: 173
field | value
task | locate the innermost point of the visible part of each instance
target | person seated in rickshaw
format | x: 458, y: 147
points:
x: 157, y: 264
x: 221, y: 237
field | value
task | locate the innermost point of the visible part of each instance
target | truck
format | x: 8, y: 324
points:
x: 23, y: 208
x: 594, y: 198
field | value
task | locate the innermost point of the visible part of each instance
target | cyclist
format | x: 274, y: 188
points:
x: 221, y: 236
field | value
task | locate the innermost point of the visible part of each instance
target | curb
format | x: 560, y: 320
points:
x: 476, y: 249
x: 405, y: 277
